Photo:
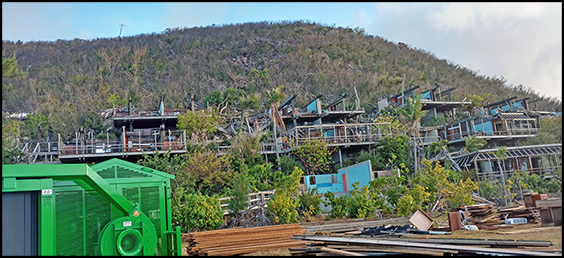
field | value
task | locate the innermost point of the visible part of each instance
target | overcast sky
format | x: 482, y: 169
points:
x: 520, y: 41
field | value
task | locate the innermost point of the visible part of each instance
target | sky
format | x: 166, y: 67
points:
x: 520, y: 41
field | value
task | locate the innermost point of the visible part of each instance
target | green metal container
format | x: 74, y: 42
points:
x: 111, y: 208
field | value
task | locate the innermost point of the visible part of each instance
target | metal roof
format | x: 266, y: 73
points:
x: 514, y: 116
x: 512, y: 152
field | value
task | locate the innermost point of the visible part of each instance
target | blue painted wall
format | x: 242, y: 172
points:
x: 313, y: 106
x: 514, y: 105
x: 487, y: 128
x: 426, y: 95
x: 361, y: 172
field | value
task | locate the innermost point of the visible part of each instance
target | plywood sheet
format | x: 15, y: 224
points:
x: 421, y: 220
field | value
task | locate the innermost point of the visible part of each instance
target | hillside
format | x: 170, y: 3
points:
x: 69, y: 81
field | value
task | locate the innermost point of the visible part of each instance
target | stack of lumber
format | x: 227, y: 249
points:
x: 351, y: 225
x: 235, y: 241
x: 356, y: 246
x: 481, y: 215
x: 530, y: 213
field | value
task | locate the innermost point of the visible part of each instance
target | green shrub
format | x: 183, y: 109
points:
x: 392, y: 188
x: 240, y: 194
x: 196, y: 212
x: 283, y: 206
x: 375, y: 160
x: 338, y: 205
x: 310, y: 203
x: 363, y: 202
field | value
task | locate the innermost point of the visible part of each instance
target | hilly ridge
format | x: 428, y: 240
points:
x: 69, y: 81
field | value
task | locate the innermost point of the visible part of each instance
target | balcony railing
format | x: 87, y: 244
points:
x: 176, y: 140
x: 341, y: 134
x: 515, y: 132
x: 507, y: 173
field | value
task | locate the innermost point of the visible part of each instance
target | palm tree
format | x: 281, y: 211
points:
x: 413, y: 113
x: 474, y: 143
x: 501, y: 154
x: 274, y: 97
x: 477, y: 102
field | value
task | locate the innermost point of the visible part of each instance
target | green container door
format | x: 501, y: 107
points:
x: 19, y: 223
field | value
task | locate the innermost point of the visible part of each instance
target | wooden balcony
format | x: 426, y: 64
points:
x: 343, y: 135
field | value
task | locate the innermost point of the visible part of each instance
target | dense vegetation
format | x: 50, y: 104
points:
x: 243, y: 69
x: 70, y: 81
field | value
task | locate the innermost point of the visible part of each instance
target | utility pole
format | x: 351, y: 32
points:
x: 402, y: 96
x: 120, y: 30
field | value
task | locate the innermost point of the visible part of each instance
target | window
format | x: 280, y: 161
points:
x: 333, y: 179
x: 312, y: 180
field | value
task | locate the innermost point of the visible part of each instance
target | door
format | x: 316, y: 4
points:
x: 19, y: 223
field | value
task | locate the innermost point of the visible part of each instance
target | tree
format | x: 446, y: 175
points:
x: 285, y: 202
x: 239, y: 194
x: 246, y: 102
x: 395, y: 125
x: 37, y: 125
x: 11, y: 152
x: 171, y: 164
x: 477, y: 101
x: 200, y: 123
x: 474, y: 143
x: 10, y: 67
x: 413, y: 113
x: 315, y: 155
x: 274, y: 97
x: 209, y: 171
x: 501, y: 154
x: 375, y: 160
x: 550, y: 132
x: 245, y: 149
x: 393, y: 150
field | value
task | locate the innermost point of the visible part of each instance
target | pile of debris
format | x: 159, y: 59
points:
x: 350, y: 225
x: 529, y: 213
x: 236, y: 241
x: 485, y: 216
x: 362, y: 246
x: 390, y: 230
x: 482, y: 215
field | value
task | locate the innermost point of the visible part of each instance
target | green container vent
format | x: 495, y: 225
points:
x: 111, y: 208
x: 69, y: 223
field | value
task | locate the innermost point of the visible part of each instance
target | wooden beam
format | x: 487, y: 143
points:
x: 555, y: 202
x: 341, y: 252
x: 458, y: 248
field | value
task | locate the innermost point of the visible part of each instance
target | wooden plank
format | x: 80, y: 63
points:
x: 546, y: 217
x: 454, y: 222
x: 557, y: 215
x: 253, y: 248
x: 523, y: 231
x: 248, y: 234
x: 512, y: 208
x: 419, y: 251
x: 458, y: 248
x: 341, y: 252
x: 472, y: 241
x: 421, y: 220
x: 554, y: 202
